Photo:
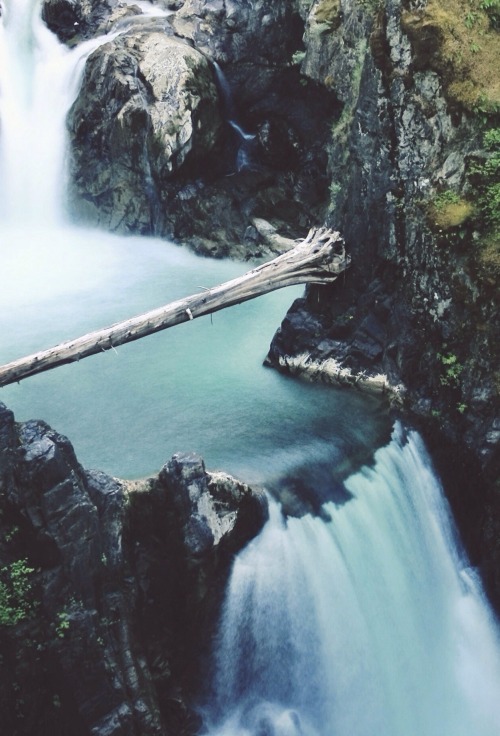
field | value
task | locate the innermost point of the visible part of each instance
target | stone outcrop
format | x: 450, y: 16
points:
x: 75, y: 19
x: 108, y: 589
x: 161, y: 115
x: 257, y: 141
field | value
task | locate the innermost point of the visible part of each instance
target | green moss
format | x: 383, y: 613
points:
x: 484, y: 178
x: 342, y: 125
x: 457, y: 39
x: 328, y: 12
x: 492, y: 8
x: 448, y: 210
x: 488, y: 259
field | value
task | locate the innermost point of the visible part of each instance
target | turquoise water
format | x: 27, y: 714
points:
x: 199, y: 386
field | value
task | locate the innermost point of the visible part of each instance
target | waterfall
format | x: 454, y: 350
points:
x: 39, y: 80
x: 245, y: 142
x: 371, y: 623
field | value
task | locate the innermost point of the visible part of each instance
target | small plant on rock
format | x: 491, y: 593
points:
x: 448, y: 210
x: 16, y: 600
x: 451, y: 369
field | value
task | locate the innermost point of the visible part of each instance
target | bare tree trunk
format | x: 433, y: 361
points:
x: 320, y: 258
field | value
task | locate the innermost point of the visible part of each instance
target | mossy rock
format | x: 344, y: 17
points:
x: 455, y: 38
x: 488, y: 259
x: 327, y: 13
x: 448, y: 211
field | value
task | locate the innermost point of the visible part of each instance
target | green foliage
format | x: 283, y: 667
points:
x: 492, y: 139
x: 471, y: 19
x: 16, y: 601
x: 451, y: 369
x: 492, y: 8
x: 62, y: 624
x: 490, y: 204
x: 443, y: 199
x: 486, y: 175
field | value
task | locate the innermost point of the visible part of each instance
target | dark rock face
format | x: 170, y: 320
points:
x: 416, y: 305
x: 73, y: 19
x: 120, y: 586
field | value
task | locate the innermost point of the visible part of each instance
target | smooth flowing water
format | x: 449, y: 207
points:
x: 370, y: 623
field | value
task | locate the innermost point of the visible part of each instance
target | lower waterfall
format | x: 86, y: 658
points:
x: 371, y: 623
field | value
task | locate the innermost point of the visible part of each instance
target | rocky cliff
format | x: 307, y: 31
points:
x: 108, y: 589
x: 414, y: 172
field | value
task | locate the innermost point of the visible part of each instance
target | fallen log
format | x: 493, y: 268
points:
x: 320, y: 258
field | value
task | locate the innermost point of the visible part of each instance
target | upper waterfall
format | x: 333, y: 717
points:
x: 39, y: 79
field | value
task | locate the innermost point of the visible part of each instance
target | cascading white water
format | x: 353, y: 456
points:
x: 245, y: 145
x: 369, y: 624
x: 39, y: 79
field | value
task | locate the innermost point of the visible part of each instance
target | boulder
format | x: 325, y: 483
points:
x: 161, y: 117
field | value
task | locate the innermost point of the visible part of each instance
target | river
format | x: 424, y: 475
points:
x: 365, y: 619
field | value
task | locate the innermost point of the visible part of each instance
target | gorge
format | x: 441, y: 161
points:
x: 152, y: 596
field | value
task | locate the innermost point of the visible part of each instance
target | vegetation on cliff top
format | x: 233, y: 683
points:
x: 459, y: 39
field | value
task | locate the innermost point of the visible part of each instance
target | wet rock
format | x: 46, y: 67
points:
x: 126, y: 174
x: 226, y: 31
x: 162, y: 117
x: 413, y: 302
x: 73, y: 19
x: 123, y: 584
